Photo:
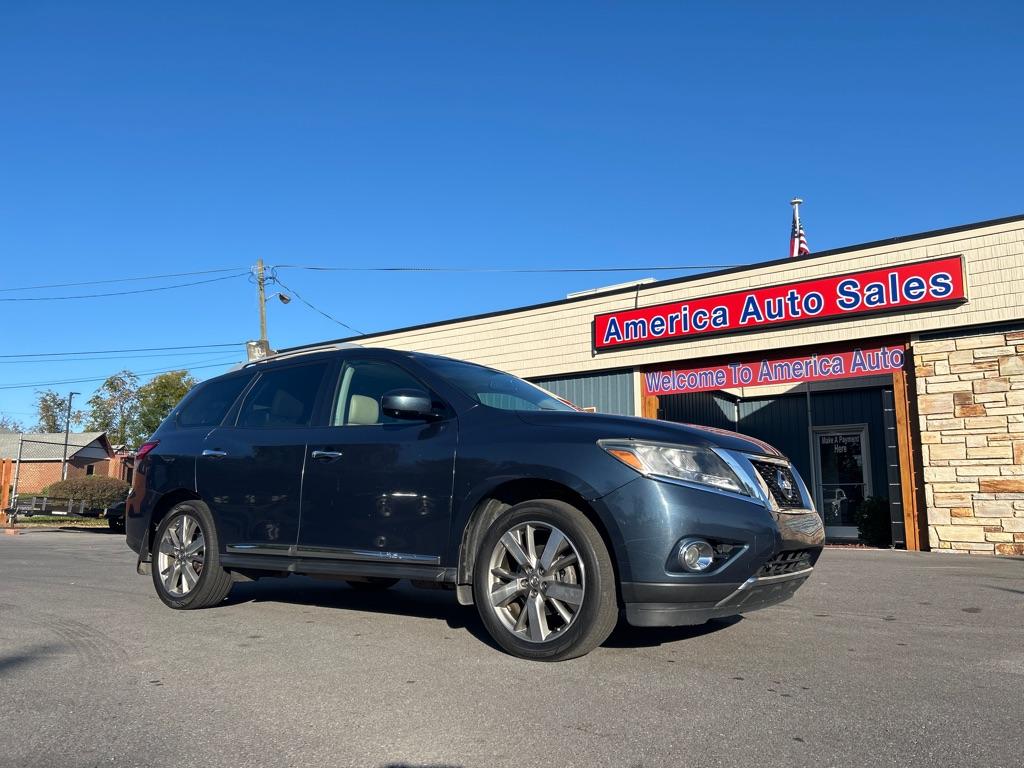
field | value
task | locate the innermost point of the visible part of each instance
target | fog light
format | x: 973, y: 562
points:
x: 696, y: 555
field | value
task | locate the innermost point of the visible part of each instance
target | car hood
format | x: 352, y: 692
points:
x: 605, y: 426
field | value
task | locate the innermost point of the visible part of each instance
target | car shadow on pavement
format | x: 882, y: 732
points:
x: 405, y: 600
x: 401, y: 600
x: 70, y: 528
x: 628, y: 636
x: 31, y: 655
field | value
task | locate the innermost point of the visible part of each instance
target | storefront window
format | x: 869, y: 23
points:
x: 842, y: 478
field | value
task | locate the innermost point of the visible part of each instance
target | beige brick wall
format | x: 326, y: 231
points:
x: 970, y: 401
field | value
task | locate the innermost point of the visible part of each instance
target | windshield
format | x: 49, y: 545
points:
x: 494, y: 388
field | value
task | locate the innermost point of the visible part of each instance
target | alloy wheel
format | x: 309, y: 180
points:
x: 536, y: 581
x: 181, y: 555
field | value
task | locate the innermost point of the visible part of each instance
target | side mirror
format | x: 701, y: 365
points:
x: 407, y: 404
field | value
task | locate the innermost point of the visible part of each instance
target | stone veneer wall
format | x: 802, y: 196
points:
x: 970, y: 400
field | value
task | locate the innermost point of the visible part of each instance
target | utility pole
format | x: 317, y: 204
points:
x: 259, y: 350
x: 261, y: 292
x: 67, y: 432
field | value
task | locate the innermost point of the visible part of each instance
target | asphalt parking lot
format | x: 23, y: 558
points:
x: 883, y: 658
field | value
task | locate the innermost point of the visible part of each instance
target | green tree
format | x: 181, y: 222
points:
x: 113, y: 407
x: 52, y: 410
x: 156, y: 398
x: 9, y: 424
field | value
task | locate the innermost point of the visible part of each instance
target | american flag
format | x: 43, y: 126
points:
x: 797, y: 238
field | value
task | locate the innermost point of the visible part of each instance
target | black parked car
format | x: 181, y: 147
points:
x: 377, y: 465
x: 115, y: 516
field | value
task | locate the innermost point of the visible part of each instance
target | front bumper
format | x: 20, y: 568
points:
x: 773, y: 552
x: 753, y: 594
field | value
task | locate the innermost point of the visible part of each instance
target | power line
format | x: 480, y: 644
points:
x: 508, y: 270
x: 118, y: 351
x: 104, y: 378
x: 120, y: 280
x: 292, y: 291
x: 124, y: 293
x: 208, y: 353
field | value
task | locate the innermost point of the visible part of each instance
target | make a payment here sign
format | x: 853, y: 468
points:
x: 892, y: 289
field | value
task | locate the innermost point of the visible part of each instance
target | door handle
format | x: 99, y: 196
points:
x: 214, y: 454
x: 326, y: 455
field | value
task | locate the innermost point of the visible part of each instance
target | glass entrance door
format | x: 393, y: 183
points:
x: 843, y: 478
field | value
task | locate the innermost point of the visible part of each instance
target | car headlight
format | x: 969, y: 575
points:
x: 676, y: 462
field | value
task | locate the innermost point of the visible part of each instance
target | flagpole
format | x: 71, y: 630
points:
x: 795, y: 202
x: 794, y: 245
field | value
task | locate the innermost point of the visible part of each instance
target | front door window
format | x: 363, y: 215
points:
x: 843, y: 478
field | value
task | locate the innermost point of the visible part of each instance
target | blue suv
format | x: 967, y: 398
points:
x: 377, y: 465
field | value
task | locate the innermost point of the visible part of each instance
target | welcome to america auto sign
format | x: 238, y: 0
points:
x: 902, y: 288
x: 825, y: 366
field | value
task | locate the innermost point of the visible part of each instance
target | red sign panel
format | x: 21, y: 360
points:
x: 901, y: 288
x: 815, y: 367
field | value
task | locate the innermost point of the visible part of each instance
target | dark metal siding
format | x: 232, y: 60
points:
x: 607, y: 392
x: 709, y: 409
x: 782, y: 422
x: 892, y: 466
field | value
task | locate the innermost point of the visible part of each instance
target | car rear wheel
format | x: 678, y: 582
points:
x: 186, y: 563
x: 544, y: 583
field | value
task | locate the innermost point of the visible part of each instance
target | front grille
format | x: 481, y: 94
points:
x: 781, y: 482
x: 786, y: 562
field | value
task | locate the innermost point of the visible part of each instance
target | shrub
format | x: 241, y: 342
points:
x: 96, y: 491
x: 873, y: 523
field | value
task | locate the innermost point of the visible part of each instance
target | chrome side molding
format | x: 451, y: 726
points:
x: 333, y: 553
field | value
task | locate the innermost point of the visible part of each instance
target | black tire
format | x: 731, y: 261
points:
x: 372, y: 584
x: 214, y: 583
x: 117, y: 526
x: 597, y: 613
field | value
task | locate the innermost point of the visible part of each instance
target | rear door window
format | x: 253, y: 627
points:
x: 284, y: 397
x: 208, y: 404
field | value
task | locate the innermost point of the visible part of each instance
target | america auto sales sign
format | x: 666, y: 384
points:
x: 892, y: 289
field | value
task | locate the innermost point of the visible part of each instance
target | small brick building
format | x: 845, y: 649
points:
x: 42, y: 457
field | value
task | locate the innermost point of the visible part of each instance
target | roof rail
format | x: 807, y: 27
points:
x: 299, y: 351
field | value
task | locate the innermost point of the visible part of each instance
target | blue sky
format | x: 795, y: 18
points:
x: 140, y: 139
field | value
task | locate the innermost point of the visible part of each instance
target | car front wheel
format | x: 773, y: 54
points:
x: 544, y: 583
x: 186, y: 563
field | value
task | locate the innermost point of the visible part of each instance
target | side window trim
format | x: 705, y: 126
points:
x: 231, y: 417
x: 337, y: 415
x: 321, y: 416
